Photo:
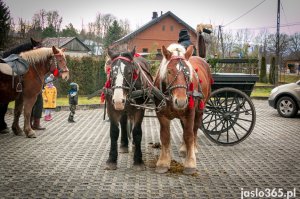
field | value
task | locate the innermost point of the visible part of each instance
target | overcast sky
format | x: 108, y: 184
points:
x: 139, y: 12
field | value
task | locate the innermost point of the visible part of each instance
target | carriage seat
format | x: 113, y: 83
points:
x: 13, y: 65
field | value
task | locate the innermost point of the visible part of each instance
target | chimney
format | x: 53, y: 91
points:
x: 154, y: 15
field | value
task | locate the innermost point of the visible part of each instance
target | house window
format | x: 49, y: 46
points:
x: 145, y: 50
x: 172, y: 28
x: 163, y: 28
x: 159, y: 51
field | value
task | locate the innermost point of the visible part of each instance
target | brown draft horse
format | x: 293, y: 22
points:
x: 41, y: 61
x: 15, y: 50
x: 185, y: 80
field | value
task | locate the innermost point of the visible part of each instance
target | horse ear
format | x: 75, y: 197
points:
x: 189, y: 52
x: 63, y: 49
x: 55, y: 50
x: 133, y: 51
x: 167, y: 54
x: 33, y: 42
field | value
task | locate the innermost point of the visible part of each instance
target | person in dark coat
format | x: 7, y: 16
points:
x: 73, y: 100
x: 185, y: 40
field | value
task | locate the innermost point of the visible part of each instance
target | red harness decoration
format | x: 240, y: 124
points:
x: 55, y: 72
x: 191, y: 100
x: 135, y: 75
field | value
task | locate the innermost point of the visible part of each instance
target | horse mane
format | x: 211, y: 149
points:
x: 176, y: 50
x: 37, y: 55
x: 18, y: 49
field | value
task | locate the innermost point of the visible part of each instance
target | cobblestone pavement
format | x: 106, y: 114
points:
x: 68, y: 161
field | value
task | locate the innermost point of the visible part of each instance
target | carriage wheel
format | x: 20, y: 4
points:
x: 229, y: 116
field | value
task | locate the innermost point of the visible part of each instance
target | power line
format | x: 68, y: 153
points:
x: 269, y: 27
x: 244, y: 13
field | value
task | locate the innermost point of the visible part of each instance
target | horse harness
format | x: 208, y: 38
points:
x: 151, y: 91
x: 133, y: 92
x: 189, y: 84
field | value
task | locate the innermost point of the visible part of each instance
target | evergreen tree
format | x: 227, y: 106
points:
x: 113, y: 34
x: 4, y: 24
x: 263, y: 72
x: 49, y: 32
x: 69, y: 31
x: 272, y: 71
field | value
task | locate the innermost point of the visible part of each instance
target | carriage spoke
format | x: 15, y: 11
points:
x: 234, y: 130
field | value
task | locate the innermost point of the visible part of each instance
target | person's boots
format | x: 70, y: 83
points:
x: 50, y: 117
x: 37, y: 125
x: 71, y: 119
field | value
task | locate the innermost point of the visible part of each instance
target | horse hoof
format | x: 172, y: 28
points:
x: 161, y: 170
x: 31, y: 135
x: 111, y: 166
x: 189, y: 171
x: 123, y: 149
x: 139, y: 167
x: 5, y: 131
x: 17, y: 132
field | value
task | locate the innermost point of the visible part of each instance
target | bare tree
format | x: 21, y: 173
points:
x: 294, y: 46
x: 107, y: 21
x: 54, y: 20
x: 125, y: 25
x: 39, y: 19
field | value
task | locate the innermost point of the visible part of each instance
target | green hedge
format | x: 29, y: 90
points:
x: 87, y: 72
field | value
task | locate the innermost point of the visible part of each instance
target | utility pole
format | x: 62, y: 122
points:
x: 221, y: 37
x: 277, y: 44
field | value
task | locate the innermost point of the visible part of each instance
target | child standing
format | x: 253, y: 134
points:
x: 73, y: 100
x: 49, y: 98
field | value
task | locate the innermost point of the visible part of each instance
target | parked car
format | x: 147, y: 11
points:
x: 286, y: 99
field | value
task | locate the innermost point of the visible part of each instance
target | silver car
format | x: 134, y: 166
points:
x: 286, y: 99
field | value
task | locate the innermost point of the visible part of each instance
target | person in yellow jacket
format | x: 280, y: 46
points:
x: 49, y: 99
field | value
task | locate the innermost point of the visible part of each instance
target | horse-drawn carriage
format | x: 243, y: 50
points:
x: 181, y: 89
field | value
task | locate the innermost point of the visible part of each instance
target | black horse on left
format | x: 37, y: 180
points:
x: 126, y: 87
x: 15, y: 50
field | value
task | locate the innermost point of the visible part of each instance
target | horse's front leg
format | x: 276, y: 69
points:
x: 197, y: 125
x: 111, y: 163
x: 124, y: 136
x: 137, y: 139
x: 164, y: 162
x: 17, y: 112
x: 188, y: 137
x: 28, y: 104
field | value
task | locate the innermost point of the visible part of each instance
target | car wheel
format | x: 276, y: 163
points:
x: 286, y: 107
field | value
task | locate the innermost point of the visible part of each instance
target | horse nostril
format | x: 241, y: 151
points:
x: 123, y: 101
x: 113, y: 101
x: 186, y: 100
x: 176, y: 102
